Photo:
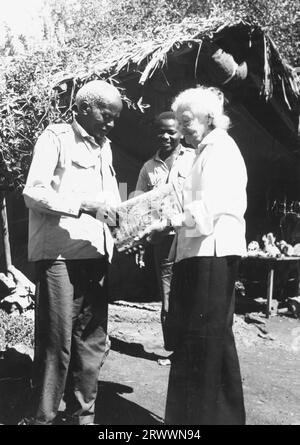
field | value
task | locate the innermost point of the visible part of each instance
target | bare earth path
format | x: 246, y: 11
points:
x: 133, y: 385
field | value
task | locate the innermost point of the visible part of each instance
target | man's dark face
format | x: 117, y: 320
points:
x: 167, y: 135
x: 99, y: 119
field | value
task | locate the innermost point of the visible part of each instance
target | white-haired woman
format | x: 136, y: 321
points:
x: 205, y: 383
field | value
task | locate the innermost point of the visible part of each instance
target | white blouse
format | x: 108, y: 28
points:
x: 214, y: 201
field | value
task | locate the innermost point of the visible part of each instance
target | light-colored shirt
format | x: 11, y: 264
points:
x: 214, y: 201
x: 157, y: 172
x: 68, y: 166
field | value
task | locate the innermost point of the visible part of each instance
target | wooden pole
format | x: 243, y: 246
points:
x: 5, y: 232
x: 270, y: 287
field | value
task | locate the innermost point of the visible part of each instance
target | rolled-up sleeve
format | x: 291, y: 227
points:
x: 38, y: 192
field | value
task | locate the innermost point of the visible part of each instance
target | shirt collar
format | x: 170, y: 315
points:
x: 175, y: 153
x: 213, y: 136
x: 84, y: 134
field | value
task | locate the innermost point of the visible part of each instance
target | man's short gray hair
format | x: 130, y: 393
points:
x: 96, y: 91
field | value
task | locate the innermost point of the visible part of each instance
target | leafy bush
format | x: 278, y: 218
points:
x: 27, y: 107
x: 17, y: 329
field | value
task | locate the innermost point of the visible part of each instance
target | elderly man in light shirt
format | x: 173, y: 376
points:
x: 70, y: 191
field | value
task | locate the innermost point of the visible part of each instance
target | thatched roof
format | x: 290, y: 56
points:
x: 150, y: 73
x: 264, y: 106
x: 141, y: 60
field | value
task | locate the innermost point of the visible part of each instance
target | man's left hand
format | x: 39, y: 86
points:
x: 107, y: 214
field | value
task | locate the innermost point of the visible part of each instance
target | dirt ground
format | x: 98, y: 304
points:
x: 133, y: 385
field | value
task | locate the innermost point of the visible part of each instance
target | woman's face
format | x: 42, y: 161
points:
x: 193, y: 127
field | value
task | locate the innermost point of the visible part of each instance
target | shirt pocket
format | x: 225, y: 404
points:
x: 157, y: 178
x: 184, y: 170
x: 81, y: 163
x: 181, y: 177
x: 82, y: 158
x: 152, y: 181
x: 84, y: 177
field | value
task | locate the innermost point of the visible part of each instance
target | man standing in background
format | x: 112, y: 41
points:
x: 171, y: 163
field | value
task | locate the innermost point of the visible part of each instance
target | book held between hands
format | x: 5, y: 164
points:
x: 143, y: 211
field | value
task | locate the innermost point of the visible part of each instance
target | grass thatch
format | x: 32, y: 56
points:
x: 27, y: 113
x: 144, y: 58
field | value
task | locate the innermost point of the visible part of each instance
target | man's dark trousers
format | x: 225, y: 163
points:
x: 70, y: 334
x: 163, y: 269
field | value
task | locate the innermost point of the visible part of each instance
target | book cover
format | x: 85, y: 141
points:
x: 136, y: 214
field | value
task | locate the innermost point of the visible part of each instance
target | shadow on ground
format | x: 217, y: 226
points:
x: 133, y: 349
x: 15, y: 370
x: 14, y: 396
x: 113, y: 409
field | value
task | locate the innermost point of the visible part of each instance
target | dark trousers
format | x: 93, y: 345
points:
x: 205, y: 385
x: 163, y: 269
x: 70, y: 334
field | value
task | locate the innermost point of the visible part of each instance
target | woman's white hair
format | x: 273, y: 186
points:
x: 203, y: 101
